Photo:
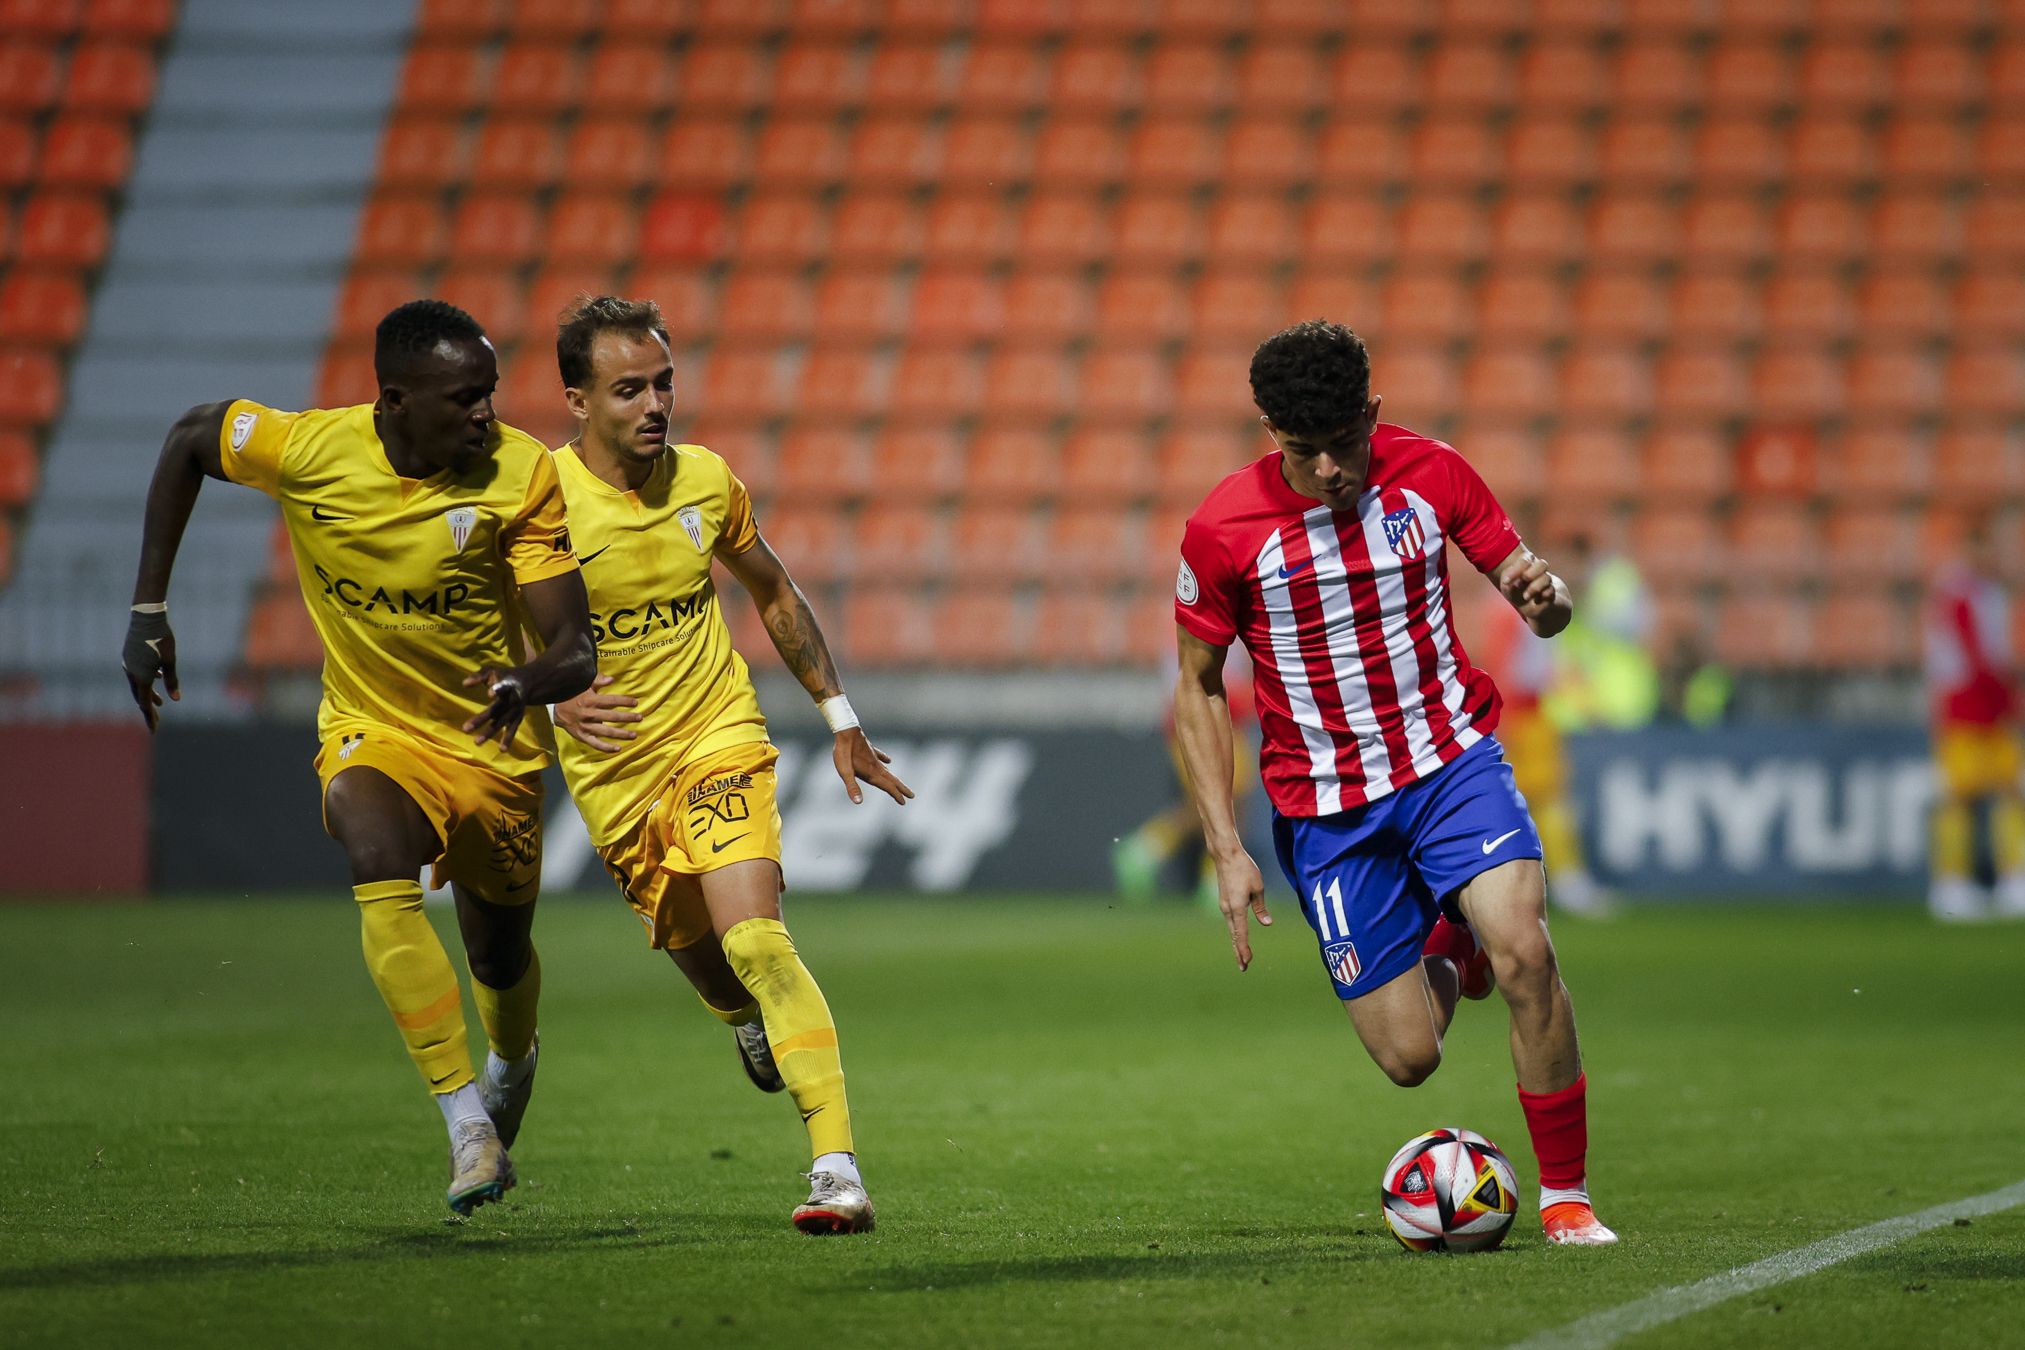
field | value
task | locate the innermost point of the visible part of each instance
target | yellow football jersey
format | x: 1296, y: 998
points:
x: 412, y: 583
x: 660, y: 631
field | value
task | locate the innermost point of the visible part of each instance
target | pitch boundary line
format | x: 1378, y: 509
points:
x: 1603, y: 1329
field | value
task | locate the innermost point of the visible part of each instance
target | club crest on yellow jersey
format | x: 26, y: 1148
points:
x: 462, y: 520
x: 692, y: 524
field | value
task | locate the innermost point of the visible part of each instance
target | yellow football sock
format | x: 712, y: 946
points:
x: 415, y: 977
x: 732, y: 1017
x: 1953, y: 838
x: 1558, y: 840
x: 2007, y: 831
x: 798, y: 1027
x: 508, y: 1014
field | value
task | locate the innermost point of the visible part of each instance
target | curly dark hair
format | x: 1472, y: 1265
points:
x: 412, y: 331
x: 1313, y: 378
x: 590, y: 315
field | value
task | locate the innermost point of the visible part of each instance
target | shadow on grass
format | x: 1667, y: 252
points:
x: 1326, y: 1250
x: 478, y: 1239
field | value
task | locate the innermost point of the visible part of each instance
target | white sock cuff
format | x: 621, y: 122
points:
x: 842, y: 1164
x: 462, y: 1106
x: 1554, y: 1195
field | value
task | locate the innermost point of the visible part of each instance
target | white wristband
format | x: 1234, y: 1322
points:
x: 837, y: 712
x: 152, y: 607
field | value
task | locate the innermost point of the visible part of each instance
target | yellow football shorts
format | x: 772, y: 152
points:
x: 714, y: 812
x: 1977, y: 761
x: 1533, y: 746
x: 489, y: 823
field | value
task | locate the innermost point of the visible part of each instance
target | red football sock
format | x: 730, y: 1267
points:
x: 1451, y: 940
x: 1559, y: 1124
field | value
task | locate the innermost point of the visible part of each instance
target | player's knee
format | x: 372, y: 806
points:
x: 497, y: 968
x: 1524, y: 961
x: 1410, y: 1067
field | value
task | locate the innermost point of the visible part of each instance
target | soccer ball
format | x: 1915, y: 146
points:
x: 1449, y: 1190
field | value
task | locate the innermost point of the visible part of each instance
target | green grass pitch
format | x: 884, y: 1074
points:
x: 1082, y: 1127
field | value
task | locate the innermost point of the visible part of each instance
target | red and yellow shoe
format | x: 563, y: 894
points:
x: 1456, y: 944
x: 1572, y: 1223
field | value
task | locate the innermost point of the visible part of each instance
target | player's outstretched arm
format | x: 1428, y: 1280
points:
x: 1541, y: 598
x: 189, y: 456
x: 568, y: 660
x: 1202, y: 725
x: 799, y: 640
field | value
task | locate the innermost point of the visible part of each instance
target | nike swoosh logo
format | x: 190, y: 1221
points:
x: 1296, y: 569
x: 719, y: 848
x: 439, y: 1082
x: 318, y: 513
x: 583, y: 558
x: 1491, y: 844
x: 522, y: 886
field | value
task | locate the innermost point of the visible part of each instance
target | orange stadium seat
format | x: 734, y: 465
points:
x: 825, y: 464
x: 876, y: 227
x: 860, y: 305
x: 959, y: 306
x: 1832, y: 150
x: 1158, y: 230
x: 614, y: 153
x: 1872, y: 544
x: 444, y: 78
x: 1685, y: 464
x: 805, y: 152
x: 1625, y: 305
x: 760, y: 307
x: 42, y: 18
x: 1280, y: 77
x: 1090, y: 544
x: 1763, y: 631
x: 1776, y: 463
x: 812, y: 538
x: 496, y: 229
x: 1426, y: 306
x: 1989, y: 302
x: 1047, y: 307
x: 1862, y: 630
x: 1236, y: 305
x: 132, y: 20
x: 1007, y: 467
x: 1556, y: 152
x: 627, y: 79
x: 1893, y: 382
x: 681, y: 227
x: 986, y: 150
x: 280, y: 636
x: 1679, y: 543
x: 1028, y: 19
x: 1700, y: 382
x: 63, y: 229
x: 687, y: 299
x: 86, y: 151
x: 914, y: 463
x: 1079, y: 152
x: 719, y: 77
x: 1442, y: 229
x: 401, y: 230
x: 1607, y: 381
x: 1006, y: 77
x: 1536, y: 228
x: 705, y: 153
x: 31, y: 76
x: 1362, y: 154
x: 1739, y: 152
x: 1503, y: 382
x: 368, y: 295
x: 1657, y: 74
x: 516, y: 155
x: 1994, y: 227
x: 843, y: 383
x: 1563, y: 76
x: 1808, y: 305
x: 1916, y: 227
x: 1077, y: 628
x: 1096, y: 77
x: 1174, y: 152
x: 1124, y: 385
x: 783, y: 228
x: 899, y: 541
x: 1251, y: 228
x: 1470, y: 75
x: 2006, y: 71
x: 894, y: 151
x: 981, y: 629
x: 1193, y: 459
x: 833, y: 17
x: 1375, y: 77
x: 744, y: 384
x: 1749, y: 76
x: 1796, y: 383
x: 971, y: 228
x: 346, y: 378
x: 925, y: 17
x: 995, y: 541
x: 492, y: 296
x: 1329, y: 293
x: 1716, y: 305
x: 910, y: 76
x: 1774, y: 541
x: 1634, y: 228
x: 936, y: 384
x: 110, y: 77
x: 1259, y: 152
x: 1029, y: 384
x: 535, y: 76
x: 1506, y: 455
x: 531, y: 396
x: 1107, y: 465
x: 1986, y: 381
x: 1522, y: 306
x: 1142, y: 306
x: 1936, y: 72
x: 1935, y: 151
x: 1976, y: 464
x: 886, y: 628
x: 817, y: 76
x: 460, y: 20
x: 20, y: 469
x: 1646, y: 152
x: 564, y: 20
x: 424, y: 152
x: 1456, y: 152
x: 1850, y: 75
x: 1592, y: 464
x: 1822, y: 228
x: 1189, y: 77
x: 1880, y: 462
x: 1998, y: 156
x: 1420, y: 382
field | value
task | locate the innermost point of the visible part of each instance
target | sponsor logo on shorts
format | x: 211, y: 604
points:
x: 1341, y: 958
x: 516, y: 842
x: 350, y: 743
x: 729, y: 783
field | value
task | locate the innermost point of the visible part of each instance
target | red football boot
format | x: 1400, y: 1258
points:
x: 1456, y: 944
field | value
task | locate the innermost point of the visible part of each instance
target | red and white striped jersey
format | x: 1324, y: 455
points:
x: 1968, y: 650
x: 1362, y: 684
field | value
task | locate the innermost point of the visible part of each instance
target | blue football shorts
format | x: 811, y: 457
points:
x: 1372, y: 879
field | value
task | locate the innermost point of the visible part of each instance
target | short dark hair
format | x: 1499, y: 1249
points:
x: 412, y: 331
x: 589, y: 315
x: 1313, y: 378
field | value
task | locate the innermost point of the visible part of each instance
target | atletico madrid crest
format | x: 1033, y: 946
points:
x: 1341, y: 958
x: 1404, y: 534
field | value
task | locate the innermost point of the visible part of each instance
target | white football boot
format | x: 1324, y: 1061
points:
x: 836, y: 1204
x: 507, y: 1102
x: 1956, y: 900
x: 480, y: 1171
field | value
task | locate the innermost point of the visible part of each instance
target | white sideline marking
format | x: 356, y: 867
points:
x: 1612, y: 1325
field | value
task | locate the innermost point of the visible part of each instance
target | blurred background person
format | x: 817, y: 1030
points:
x: 1979, y: 817
x: 1171, y: 843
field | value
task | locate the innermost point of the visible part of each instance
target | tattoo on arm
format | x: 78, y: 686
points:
x: 801, y: 646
